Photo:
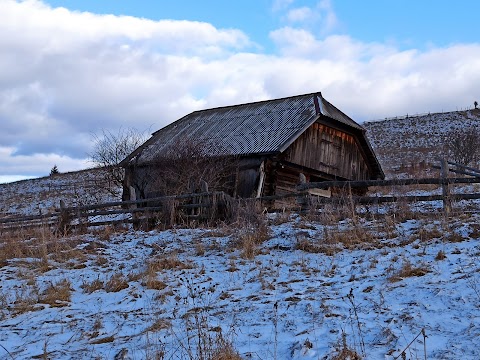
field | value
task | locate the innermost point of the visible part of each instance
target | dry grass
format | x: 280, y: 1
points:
x: 408, y: 270
x: 314, y: 247
x: 224, y: 350
x: 154, y: 284
x: 354, y: 237
x: 429, y: 234
x: 26, y: 298
x: 345, y: 352
x: 35, y: 243
x: 334, y: 239
x: 116, y: 283
x: 57, y: 294
x: 159, y: 324
x: 95, y: 285
x: 454, y: 238
x: 104, y: 340
x: 166, y: 262
x: 251, y: 232
x: 249, y: 242
x: 440, y: 255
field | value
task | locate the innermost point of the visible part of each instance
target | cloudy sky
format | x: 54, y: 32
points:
x: 73, y: 68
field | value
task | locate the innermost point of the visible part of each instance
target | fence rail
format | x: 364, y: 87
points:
x: 194, y: 206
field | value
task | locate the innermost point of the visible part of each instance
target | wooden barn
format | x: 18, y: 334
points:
x: 276, y: 145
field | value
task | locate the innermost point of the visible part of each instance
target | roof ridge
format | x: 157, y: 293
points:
x: 257, y: 102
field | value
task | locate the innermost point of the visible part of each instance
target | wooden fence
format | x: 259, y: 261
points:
x: 214, y: 205
x: 189, y: 207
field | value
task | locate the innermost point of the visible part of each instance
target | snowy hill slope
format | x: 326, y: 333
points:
x: 32, y: 196
x: 295, y: 295
x: 416, y: 140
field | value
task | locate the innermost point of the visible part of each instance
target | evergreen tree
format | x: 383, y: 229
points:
x: 54, y: 171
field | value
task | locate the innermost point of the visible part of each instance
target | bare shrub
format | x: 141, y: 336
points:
x: 463, y: 145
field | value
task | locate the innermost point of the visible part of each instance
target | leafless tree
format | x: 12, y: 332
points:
x: 463, y: 145
x: 110, y: 149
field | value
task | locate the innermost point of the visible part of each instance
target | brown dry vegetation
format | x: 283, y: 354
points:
x: 408, y: 270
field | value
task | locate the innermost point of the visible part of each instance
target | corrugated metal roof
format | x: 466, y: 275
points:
x: 254, y: 128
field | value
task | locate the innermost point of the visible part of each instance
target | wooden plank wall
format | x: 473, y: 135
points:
x: 330, y: 151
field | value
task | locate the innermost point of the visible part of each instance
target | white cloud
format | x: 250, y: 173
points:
x: 65, y: 75
x: 319, y: 18
x: 279, y: 5
x: 299, y: 14
x: 328, y: 16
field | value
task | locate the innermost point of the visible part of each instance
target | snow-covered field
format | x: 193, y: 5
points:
x: 297, y: 295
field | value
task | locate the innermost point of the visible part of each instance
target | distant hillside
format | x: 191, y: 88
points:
x: 41, y: 195
x: 415, y: 141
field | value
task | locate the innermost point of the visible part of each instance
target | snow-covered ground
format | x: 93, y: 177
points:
x: 375, y: 283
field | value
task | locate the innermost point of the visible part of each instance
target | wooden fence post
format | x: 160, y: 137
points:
x: 447, y: 204
x: 64, y: 219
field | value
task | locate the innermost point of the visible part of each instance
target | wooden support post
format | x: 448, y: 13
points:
x: 303, y: 199
x: 133, y: 197
x: 261, y: 180
x: 203, y: 200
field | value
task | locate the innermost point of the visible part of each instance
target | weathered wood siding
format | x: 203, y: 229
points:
x: 330, y: 151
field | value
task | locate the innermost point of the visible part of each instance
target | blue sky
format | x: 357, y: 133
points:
x: 407, y: 23
x: 70, y: 69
